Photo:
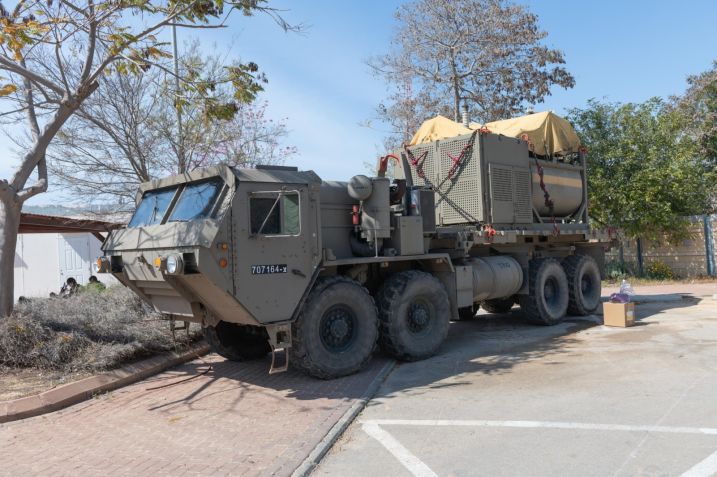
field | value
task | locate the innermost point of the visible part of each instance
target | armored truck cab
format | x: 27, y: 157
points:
x: 217, y: 244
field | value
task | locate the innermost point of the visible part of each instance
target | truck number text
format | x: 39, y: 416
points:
x: 266, y: 269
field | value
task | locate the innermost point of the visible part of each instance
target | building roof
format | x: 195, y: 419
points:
x: 38, y: 224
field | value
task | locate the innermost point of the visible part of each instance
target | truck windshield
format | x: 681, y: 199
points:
x: 197, y: 200
x: 152, y: 208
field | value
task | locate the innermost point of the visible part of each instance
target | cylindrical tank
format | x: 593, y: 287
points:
x: 495, y: 277
x: 565, y: 186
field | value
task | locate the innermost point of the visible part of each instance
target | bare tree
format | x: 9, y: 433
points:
x: 125, y: 134
x: 53, y: 54
x: 485, y: 55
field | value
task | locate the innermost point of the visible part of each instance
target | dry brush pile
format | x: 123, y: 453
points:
x: 89, y: 331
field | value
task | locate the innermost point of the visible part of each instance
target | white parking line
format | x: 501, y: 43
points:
x: 413, y: 464
x: 404, y: 456
x: 703, y: 469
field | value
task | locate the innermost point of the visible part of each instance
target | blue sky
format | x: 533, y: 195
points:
x: 617, y: 50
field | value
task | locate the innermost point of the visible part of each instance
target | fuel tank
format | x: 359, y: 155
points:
x: 564, y: 185
x: 495, y: 277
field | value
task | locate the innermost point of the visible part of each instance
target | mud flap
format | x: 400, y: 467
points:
x: 280, y: 341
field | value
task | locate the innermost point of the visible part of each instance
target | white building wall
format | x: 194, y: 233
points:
x: 44, y: 261
x: 37, y: 268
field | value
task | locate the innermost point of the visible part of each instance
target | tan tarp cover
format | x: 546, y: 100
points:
x: 549, y: 133
x: 544, y: 129
x: 439, y: 127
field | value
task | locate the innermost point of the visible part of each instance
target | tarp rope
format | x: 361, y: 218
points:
x: 548, y: 201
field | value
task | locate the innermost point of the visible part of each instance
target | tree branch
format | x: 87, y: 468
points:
x: 13, y: 67
x: 91, y: 44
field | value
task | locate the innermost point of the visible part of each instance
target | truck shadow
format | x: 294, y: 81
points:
x: 489, y: 344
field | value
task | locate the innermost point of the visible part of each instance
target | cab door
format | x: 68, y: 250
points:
x: 276, y: 247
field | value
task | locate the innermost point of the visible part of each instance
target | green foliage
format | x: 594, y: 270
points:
x: 132, y: 50
x: 699, y: 104
x: 644, y: 174
x: 658, y: 270
x: 616, y: 270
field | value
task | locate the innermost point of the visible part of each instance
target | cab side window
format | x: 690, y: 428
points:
x: 275, y: 213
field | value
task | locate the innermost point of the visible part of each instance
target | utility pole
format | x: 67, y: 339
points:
x: 177, y: 106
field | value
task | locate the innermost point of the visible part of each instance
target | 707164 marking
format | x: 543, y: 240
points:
x: 267, y: 269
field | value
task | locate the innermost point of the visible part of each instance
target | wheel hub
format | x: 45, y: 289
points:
x: 550, y: 291
x: 337, y: 328
x: 419, y: 316
x: 585, y: 284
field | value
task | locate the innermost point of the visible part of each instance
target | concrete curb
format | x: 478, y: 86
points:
x: 662, y: 298
x: 310, y: 463
x: 73, y: 393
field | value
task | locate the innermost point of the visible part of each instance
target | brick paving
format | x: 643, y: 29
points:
x: 207, y: 417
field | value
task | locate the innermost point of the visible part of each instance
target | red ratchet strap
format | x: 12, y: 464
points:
x: 416, y: 163
x: 489, y: 232
x: 548, y: 201
x: 383, y: 164
x: 457, y: 160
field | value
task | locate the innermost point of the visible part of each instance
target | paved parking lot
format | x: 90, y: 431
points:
x: 502, y: 398
x: 207, y: 417
x: 506, y: 398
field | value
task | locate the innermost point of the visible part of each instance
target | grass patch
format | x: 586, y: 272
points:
x: 87, y: 332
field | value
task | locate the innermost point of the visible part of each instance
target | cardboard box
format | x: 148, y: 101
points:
x: 619, y: 314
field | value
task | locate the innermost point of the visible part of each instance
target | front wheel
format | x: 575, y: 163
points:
x: 414, y: 314
x: 336, y: 332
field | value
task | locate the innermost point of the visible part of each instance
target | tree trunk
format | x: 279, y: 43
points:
x: 9, y: 226
x: 456, y: 89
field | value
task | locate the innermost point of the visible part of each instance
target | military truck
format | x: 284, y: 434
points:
x: 318, y: 273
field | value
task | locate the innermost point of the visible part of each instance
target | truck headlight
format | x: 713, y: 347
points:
x: 175, y: 265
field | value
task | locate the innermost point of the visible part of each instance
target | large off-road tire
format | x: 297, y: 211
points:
x: 336, y: 332
x: 584, y: 284
x: 498, y: 305
x: 414, y: 313
x: 547, y: 299
x: 237, y: 342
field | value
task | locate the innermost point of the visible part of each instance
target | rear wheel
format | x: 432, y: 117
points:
x: 498, y: 305
x: 336, y: 332
x: 584, y: 284
x: 414, y: 314
x: 237, y: 342
x: 547, y: 299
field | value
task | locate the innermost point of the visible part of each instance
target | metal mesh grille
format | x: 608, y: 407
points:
x: 468, y: 166
x: 522, y: 206
x: 463, y: 190
x: 501, y: 183
x: 427, y: 164
x: 501, y: 193
x: 462, y: 203
x: 461, y: 198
